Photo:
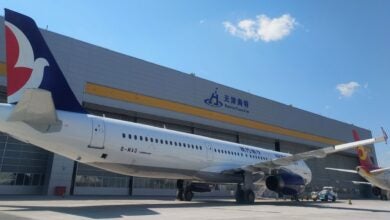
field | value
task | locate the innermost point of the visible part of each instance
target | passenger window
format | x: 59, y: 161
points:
x: 200, y: 147
x: 123, y: 135
x: 179, y: 144
x: 192, y: 146
x: 189, y: 146
x: 170, y: 142
x: 135, y: 137
x: 166, y: 142
x: 175, y: 143
x: 215, y: 150
x: 151, y: 140
x: 146, y: 138
x: 184, y: 145
x: 197, y: 147
x: 129, y: 136
x: 140, y: 138
x: 161, y: 141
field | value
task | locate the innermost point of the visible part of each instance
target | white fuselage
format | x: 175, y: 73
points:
x: 381, y: 180
x: 140, y: 150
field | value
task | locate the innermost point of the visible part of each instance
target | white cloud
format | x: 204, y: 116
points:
x: 262, y: 28
x: 347, y: 89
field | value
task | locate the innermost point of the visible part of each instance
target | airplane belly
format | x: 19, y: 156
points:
x: 165, y: 173
x: 379, y: 181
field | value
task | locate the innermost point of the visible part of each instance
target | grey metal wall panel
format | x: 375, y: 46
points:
x: 215, y: 134
x: 82, y: 62
x: 257, y: 141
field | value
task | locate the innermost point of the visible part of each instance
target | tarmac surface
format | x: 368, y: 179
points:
x: 83, y: 207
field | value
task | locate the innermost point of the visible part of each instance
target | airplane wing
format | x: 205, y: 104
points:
x: 381, y: 170
x: 341, y: 170
x: 361, y: 183
x: 320, y: 153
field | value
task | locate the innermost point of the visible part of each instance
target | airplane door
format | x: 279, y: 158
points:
x: 98, y: 133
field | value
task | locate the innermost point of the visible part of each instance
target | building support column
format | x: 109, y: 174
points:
x: 277, y: 145
x: 131, y: 181
x: 60, y: 174
x: 74, y: 174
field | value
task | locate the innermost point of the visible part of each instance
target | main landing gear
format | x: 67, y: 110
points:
x: 244, y: 196
x: 244, y: 192
x: 184, y: 192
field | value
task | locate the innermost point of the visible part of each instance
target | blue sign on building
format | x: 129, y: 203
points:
x: 228, y: 101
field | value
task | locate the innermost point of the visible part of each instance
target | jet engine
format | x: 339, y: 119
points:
x: 285, y: 183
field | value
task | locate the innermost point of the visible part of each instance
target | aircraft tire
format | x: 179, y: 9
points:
x: 188, y: 195
x: 239, y: 196
x: 179, y: 195
x: 249, y: 196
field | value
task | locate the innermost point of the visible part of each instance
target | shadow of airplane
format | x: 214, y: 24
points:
x: 141, y: 209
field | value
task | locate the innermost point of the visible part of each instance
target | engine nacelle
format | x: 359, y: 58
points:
x: 286, y: 183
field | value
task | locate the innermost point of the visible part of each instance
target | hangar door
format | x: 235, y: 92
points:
x: 98, y: 133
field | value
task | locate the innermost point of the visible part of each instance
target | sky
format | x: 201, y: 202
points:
x: 327, y: 57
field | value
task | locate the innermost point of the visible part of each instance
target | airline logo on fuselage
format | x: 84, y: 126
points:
x: 227, y: 101
x: 24, y: 71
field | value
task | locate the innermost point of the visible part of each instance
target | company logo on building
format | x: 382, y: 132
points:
x: 214, y: 99
x: 227, y: 101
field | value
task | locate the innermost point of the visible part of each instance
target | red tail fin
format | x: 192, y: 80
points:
x: 364, y: 154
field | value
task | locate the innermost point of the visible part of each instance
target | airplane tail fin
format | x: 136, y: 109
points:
x: 31, y: 65
x: 364, y: 154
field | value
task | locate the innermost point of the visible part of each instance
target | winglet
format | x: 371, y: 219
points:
x: 385, y: 137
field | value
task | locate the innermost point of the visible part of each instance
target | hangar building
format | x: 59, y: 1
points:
x: 124, y: 87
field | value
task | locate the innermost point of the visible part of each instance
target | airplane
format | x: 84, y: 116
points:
x: 378, y: 178
x: 42, y: 110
